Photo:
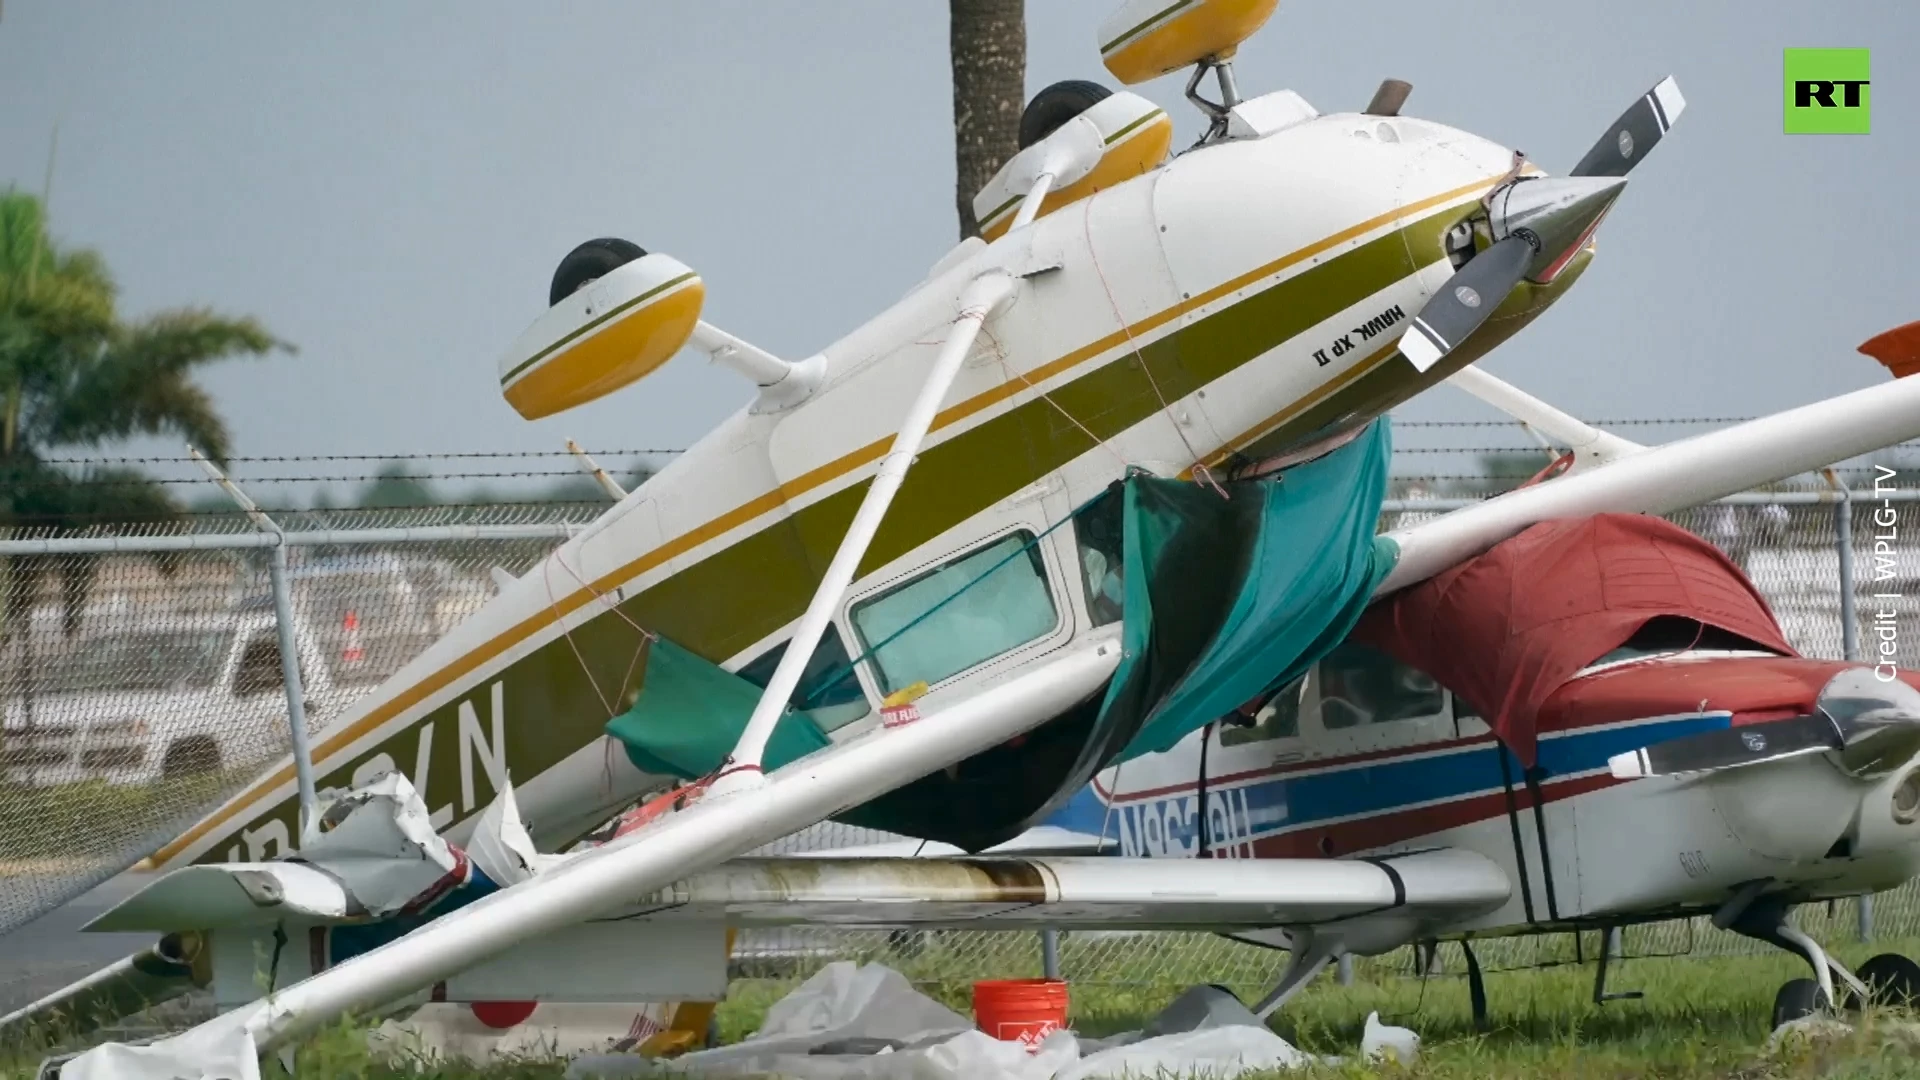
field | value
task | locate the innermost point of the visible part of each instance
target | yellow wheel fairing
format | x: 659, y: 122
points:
x: 1145, y: 39
x: 1140, y: 136
x: 613, y: 332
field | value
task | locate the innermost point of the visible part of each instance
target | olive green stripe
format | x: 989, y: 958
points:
x: 1378, y: 389
x: 740, y: 594
x: 1122, y: 133
x: 1111, y: 139
x: 1117, y: 42
x: 1001, y: 209
x: 571, y: 338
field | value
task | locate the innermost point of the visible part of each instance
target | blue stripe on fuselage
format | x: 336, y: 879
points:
x: 1246, y: 809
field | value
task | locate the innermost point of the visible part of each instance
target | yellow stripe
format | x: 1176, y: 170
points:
x: 604, y: 316
x: 773, y: 500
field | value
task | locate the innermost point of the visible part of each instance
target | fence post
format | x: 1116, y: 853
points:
x: 289, y: 646
x: 1843, y: 544
x: 1050, y: 953
x: 296, y: 692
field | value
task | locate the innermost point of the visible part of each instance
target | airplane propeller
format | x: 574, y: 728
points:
x: 1637, y: 131
x: 1870, y: 726
x: 1538, y: 225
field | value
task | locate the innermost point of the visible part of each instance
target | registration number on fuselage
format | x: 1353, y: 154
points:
x: 1171, y: 827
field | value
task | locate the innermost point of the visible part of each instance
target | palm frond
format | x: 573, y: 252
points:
x: 141, y: 384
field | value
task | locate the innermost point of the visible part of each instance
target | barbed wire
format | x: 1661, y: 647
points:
x: 187, y: 459
x: 183, y: 459
x: 142, y: 481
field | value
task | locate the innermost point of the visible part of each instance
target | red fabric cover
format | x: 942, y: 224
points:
x: 1506, y: 628
x: 1752, y: 688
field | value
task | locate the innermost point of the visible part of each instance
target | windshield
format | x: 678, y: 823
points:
x: 1669, y: 635
x: 157, y: 660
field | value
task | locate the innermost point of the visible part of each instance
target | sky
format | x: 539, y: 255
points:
x: 389, y: 187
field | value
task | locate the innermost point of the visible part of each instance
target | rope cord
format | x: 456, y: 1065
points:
x: 1201, y: 474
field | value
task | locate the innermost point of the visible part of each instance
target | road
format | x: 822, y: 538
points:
x: 50, y: 952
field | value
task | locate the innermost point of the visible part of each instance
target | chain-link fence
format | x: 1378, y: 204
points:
x: 141, y: 683
x: 141, y: 679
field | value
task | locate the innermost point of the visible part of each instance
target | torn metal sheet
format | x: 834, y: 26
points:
x: 379, y: 841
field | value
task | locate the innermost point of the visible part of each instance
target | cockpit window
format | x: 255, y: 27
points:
x: 828, y: 691
x: 1362, y: 685
x: 1098, y: 531
x: 959, y: 615
x: 1666, y: 635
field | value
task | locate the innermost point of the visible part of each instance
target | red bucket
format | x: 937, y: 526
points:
x: 1020, y: 1010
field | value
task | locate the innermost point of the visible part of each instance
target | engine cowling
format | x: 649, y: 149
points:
x: 613, y: 331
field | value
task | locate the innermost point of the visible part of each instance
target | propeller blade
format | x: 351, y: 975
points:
x: 1728, y: 748
x: 1635, y: 133
x: 1878, y: 747
x: 1465, y: 301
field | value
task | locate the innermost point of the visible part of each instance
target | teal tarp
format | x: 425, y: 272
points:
x: 690, y: 713
x: 1224, y: 598
x: 1304, y: 566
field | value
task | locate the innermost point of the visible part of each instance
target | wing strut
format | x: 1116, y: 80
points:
x: 1589, y: 444
x: 977, y: 302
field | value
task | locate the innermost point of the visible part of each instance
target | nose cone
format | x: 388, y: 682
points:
x: 1557, y: 214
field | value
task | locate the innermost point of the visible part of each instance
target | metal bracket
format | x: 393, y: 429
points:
x: 1609, y: 944
x: 1216, y: 112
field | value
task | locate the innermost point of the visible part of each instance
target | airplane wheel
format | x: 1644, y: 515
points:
x: 1056, y: 105
x: 590, y: 260
x: 1894, y: 980
x: 1798, y: 998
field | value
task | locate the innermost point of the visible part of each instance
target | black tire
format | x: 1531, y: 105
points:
x: 1894, y: 980
x: 1798, y: 998
x: 1056, y: 105
x: 590, y: 260
x: 191, y: 756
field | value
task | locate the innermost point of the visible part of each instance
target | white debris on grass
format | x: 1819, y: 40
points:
x: 853, y: 1022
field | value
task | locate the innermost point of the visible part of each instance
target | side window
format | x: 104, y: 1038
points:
x: 1098, y: 531
x: 259, y: 668
x: 828, y: 690
x: 1360, y: 685
x: 958, y: 615
x: 1277, y: 718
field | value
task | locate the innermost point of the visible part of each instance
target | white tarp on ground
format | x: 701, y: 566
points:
x: 853, y: 1022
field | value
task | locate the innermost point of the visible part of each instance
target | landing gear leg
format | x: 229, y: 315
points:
x: 1476, y: 989
x: 1766, y: 918
x: 1609, y: 944
x: 1309, y: 958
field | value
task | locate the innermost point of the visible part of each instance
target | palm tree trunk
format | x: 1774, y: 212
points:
x: 988, y: 43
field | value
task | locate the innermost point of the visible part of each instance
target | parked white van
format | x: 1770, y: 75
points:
x: 175, y: 696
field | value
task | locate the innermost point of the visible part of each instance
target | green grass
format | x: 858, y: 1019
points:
x: 1700, y: 1019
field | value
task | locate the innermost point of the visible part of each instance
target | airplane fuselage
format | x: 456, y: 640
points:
x: 1241, y: 301
x: 1581, y: 847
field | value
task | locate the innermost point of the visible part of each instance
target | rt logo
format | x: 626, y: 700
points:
x: 1826, y: 92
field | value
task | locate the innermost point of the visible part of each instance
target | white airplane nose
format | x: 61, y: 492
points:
x: 1555, y: 214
